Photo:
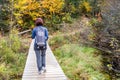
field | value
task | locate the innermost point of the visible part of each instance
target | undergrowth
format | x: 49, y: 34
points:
x: 12, y: 57
x: 79, y: 62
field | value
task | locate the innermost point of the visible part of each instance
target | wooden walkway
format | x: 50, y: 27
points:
x: 54, y: 71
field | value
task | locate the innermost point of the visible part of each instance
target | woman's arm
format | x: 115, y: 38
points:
x: 46, y: 34
x: 33, y: 34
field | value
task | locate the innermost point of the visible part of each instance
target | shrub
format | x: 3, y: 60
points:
x: 67, y: 18
x: 9, y: 56
x: 14, y: 40
x: 11, y: 60
x: 85, y: 7
x: 6, y: 54
x: 3, y: 72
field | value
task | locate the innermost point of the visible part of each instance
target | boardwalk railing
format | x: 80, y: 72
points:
x: 54, y: 71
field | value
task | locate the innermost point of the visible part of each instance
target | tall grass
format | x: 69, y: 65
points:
x: 81, y: 62
x: 12, y: 60
x: 78, y: 61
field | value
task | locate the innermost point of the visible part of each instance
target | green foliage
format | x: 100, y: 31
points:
x: 22, y: 14
x: 14, y: 40
x: 67, y: 18
x: 4, y: 15
x: 58, y: 40
x: 93, y: 22
x: 85, y: 7
x: 6, y: 53
x: 81, y: 62
x: 27, y: 11
x: 3, y: 72
x: 71, y: 7
x: 11, y: 61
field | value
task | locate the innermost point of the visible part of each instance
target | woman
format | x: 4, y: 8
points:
x: 40, y: 33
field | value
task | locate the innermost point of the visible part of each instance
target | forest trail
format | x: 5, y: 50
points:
x: 54, y: 71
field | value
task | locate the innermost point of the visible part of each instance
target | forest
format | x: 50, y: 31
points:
x: 84, y: 36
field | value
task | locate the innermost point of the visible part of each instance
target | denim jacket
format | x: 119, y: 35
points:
x: 34, y: 35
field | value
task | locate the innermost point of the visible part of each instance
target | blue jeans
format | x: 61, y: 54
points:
x: 40, y: 57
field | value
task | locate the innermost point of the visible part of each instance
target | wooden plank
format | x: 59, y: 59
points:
x: 61, y: 78
x: 54, y: 71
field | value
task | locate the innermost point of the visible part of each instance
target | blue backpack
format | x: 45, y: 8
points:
x: 40, y: 37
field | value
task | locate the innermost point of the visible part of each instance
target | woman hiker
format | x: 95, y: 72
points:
x: 40, y: 34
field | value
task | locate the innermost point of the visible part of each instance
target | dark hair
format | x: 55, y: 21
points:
x: 39, y: 22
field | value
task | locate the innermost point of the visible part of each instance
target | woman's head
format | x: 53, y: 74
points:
x: 39, y: 22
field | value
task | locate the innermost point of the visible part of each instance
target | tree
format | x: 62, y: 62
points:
x: 27, y: 11
x: 4, y: 15
x: 109, y: 35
